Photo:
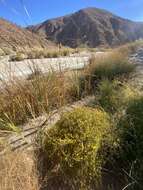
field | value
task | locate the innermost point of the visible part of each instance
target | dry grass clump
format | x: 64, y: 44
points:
x: 41, y: 53
x: 23, y: 99
x: 45, y: 53
x: 52, y: 54
x: 111, y: 65
x: 72, y: 149
x: 18, y: 57
x: 18, y: 171
x: 35, y: 54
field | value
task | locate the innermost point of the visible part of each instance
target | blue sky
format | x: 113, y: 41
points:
x: 26, y: 12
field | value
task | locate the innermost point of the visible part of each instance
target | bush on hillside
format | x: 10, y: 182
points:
x: 72, y: 148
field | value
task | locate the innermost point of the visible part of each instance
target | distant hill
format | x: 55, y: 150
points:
x: 91, y: 27
x: 15, y: 37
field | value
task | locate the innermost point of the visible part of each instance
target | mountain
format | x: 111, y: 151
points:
x: 91, y: 27
x: 14, y: 37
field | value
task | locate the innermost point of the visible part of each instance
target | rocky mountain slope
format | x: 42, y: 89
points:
x: 91, y: 27
x: 14, y: 37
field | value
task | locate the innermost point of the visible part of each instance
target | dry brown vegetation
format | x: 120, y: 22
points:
x: 18, y: 171
x: 21, y: 99
x: 14, y: 37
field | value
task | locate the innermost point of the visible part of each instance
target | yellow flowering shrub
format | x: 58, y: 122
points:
x: 74, y: 144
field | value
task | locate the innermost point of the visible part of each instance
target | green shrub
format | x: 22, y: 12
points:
x: 131, y: 155
x: 74, y: 145
x: 114, y: 96
x: 132, y: 126
x: 135, y: 112
x: 17, y: 57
